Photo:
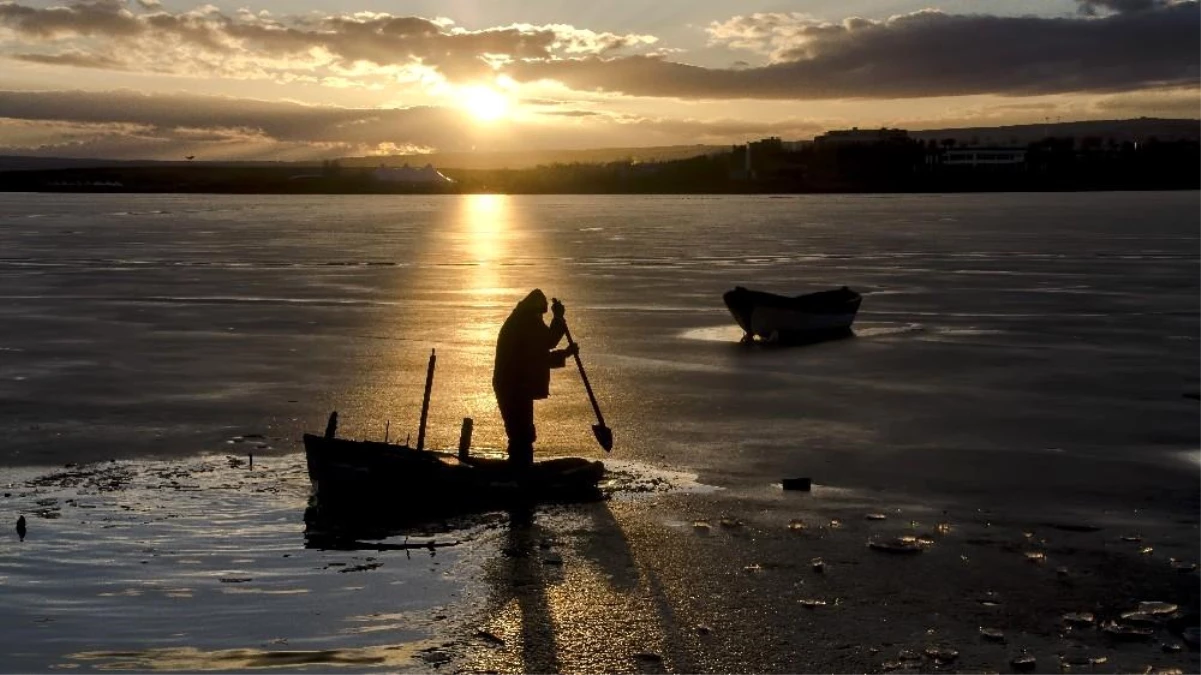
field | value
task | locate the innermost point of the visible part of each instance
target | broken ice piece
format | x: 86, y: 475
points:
x: 796, y: 525
x: 992, y: 634
x: 1023, y: 663
x: 1080, y: 618
x: 1118, y: 631
x: 904, y: 544
x: 942, y: 654
x: 875, y: 516
x: 812, y: 603
x: 1157, y: 607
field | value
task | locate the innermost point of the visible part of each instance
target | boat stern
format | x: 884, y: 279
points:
x: 741, y: 306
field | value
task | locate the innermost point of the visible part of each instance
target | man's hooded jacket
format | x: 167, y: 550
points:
x: 523, y: 351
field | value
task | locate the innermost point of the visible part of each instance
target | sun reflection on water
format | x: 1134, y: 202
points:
x: 484, y: 225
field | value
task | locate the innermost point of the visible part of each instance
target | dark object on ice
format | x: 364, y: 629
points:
x: 331, y: 427
x: 21, y: 527
x: 604, y: 435
x: 799, y: 319
x: 802, y: 484
x: 1192, y: 636
x: 391, y: 476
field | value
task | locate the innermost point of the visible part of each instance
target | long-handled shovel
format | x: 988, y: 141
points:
x: 604, y: 435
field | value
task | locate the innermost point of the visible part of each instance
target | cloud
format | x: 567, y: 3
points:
x: 107, y: 18
x: 1117, y: 45
x: 1093, y: 7
x: 926, y: 53
x: 281, y: 121
x: 125, y: 124
x: 206, y: 40
x: 1184, y: 103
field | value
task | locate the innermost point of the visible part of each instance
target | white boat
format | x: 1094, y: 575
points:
x: 801, y: 318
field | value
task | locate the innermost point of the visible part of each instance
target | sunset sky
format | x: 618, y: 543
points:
x: 267, y: 79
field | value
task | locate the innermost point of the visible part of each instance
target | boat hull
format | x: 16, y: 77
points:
x: 802, y: 318
x: 365, y: 473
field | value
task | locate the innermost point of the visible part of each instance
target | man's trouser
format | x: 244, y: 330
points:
x: 518, y: 414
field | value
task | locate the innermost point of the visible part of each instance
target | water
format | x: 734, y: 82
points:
x: 165, y: 325
x: 1032, y: 344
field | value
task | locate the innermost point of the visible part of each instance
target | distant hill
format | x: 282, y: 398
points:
x: 26, y: 163
x: 448, y: 160
x: 530, y: 158
x: 1136, y: 130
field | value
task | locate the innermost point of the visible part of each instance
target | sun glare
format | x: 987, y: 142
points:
x: 484, y: 103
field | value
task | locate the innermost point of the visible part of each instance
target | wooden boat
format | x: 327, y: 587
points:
x: 347, y: 472
x: 802, y: 318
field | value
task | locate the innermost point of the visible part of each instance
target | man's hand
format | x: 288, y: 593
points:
x: 557, y: 309
x: 572, y: 349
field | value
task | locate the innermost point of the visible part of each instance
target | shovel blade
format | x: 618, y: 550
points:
x: 604, y: 436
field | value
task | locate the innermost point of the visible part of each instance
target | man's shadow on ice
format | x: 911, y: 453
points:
x: 530, y: 566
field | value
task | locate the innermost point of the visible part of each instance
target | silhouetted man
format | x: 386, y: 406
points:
x: 525, y: 353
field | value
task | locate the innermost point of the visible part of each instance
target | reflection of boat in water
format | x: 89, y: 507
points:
x: 790, y: 319
x: 392, y: 476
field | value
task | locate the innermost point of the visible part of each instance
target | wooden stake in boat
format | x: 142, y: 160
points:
x: 425, y: 401
x: 465, y: 437
x: 387, y: 428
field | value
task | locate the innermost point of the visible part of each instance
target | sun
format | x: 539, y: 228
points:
x: 484, y: 103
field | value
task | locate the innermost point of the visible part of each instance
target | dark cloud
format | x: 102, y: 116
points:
x: 922, y: 54
x: 76, y: 59
x: 572, y: 113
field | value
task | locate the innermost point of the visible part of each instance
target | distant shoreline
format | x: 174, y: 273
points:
x: 746, y: 193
